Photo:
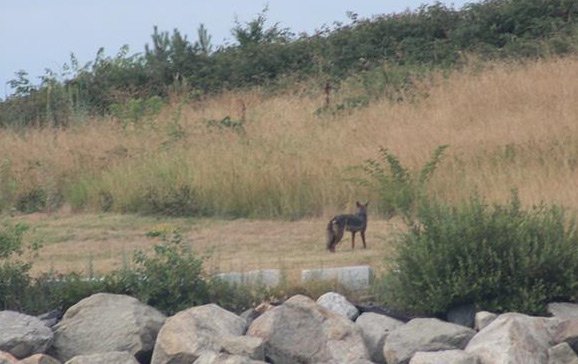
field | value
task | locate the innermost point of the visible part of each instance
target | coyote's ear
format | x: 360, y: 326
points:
x: 367, y: 203
x: 358, y: 204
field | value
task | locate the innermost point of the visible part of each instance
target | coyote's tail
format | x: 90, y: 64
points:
x: 334, y: 234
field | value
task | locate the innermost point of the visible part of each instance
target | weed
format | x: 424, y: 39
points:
x: 398, y: 188
x: 227, y: 123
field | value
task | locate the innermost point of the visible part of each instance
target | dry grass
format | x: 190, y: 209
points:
x: 508, y: 126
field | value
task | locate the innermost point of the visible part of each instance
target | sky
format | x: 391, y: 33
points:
x: 40, y: 34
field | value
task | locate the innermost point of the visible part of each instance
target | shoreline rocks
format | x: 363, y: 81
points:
x: 118, y: 329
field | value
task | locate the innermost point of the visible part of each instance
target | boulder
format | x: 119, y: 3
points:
x: 249, y: 346
x: 338, y: 304
x: 22, y: 335
x: 375, y: 328
x: 113, y: 357
x: 563, y: 310
x: 209, y: 357
x: 483, y: 319
x: 105, y: 323
x: 51, y: 318
x: 301, y: 331
x: 444, y: 357
x: 189, y: 333
x: 562, y: 354
x: 39, y: 359
x: 386, y: 311
x: 567, y: 331
x: 424, y: 334
x: 514, y: 338
x: 251, y: 314
x: 7, y: 358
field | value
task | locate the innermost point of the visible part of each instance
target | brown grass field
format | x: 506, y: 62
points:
x: 508, y: 126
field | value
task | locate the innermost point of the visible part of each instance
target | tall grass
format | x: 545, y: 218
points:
x: 508, y: 125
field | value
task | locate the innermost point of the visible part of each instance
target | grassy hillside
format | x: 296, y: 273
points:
x: 253, y: 154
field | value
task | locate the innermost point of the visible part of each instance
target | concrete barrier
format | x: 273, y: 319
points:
x: 265, y: 277
x: 354, y: 277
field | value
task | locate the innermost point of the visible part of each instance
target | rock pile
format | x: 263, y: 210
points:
x: 117, y: 329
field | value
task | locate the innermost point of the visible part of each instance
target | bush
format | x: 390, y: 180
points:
x: 14, y: 273
x: 53, y: 291
x: 398, y: 188
x: 500, y: 258
x: 172, y: 279
x: 176, y: 201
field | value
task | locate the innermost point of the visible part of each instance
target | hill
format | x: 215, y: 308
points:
x: 252, y: 154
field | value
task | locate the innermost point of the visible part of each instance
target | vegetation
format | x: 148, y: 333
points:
x: 172, y: 278
x: 276, y: 126
x: 14, y: 277
x: 500, y: 258
x: 386, y: 53
x: 399, y: 190
x: 508, y: 125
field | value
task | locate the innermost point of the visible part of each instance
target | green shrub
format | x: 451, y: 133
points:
x: 176, y: 201
x: 236, y: 297
x: 14, y: 273
x: 398, y: 188
x: 14, y: 281
x: 171, y: 280
x: 500, y: 258
x: 60, y: 291
x: 135, y: 110
x: 33, y: 200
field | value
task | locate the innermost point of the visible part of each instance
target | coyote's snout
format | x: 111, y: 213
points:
x: 353, y: 222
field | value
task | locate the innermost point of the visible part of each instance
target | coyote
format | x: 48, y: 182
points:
x: 354, y: 223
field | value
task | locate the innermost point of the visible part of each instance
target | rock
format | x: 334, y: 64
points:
x: 444, y: 357
x: 563, y: 310
x: 483, y: 319
x: 113, y: 357
x: 251, y: 347
x: 462, y: 315
x: 104, y: 323
x: 39, y: 359
x: 210, y: 357
x: 386, y: 311
x: 22, y: 335
x: 338, y: 304
x: 423, y: 334
x: 7, y: 358
x: 300, y: 331
x: 249, y: 315
x: 51, y: 318
x: 375, y: 328
x: 186, y: 335
x: 562, y: 354
x: 567, y: 331
x: 514, y: 338
x: 356, y: 278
